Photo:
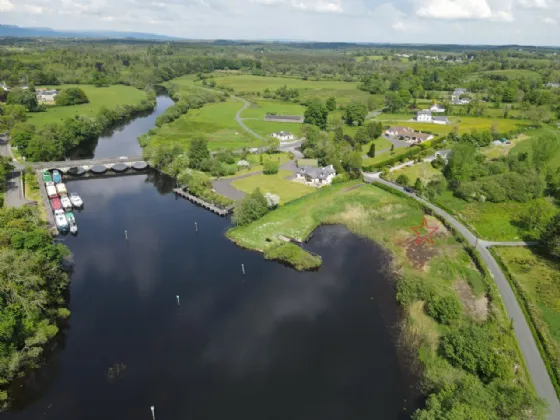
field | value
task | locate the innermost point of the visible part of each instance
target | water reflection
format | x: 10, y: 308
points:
x: 271, y: 344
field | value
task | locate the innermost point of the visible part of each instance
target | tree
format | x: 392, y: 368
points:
x: 198, y: 152
x: 402, y: 179
x: 537, y: 217
x: 23, y: 97
x: 355, y: 113
x: 270, y: 167
x: 544, y: 148
x: 418, y: 185
x: 374, y: 130
x: 361, y: 136
x: 393, y: 101
x: 339, y: 135
x: 371, y: 151
x: 392, y: 148
x: 71, y: 96
x: 551, y: 237
x: 352, y: 163
x: 252, y: 207
x: 331, y: 103
x: 316, y: 114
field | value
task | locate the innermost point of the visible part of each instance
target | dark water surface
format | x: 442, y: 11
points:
x: 122, y: 141
x: 271, y: 344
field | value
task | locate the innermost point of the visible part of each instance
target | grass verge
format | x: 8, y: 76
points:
x: 293, y: 255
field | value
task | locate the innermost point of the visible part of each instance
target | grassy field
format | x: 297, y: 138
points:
x: 495, y: 152
x: 513, y: 73
x: 445, y: 269
x: 343, y: 91
x: 526, y: 146
x: 464, y: 124
x: 539, y: 279
x: 259, y: 108
x: 380, y: 157
x: 216, y: 122
x: 266, y: 128
x: 492, y: 221
x: 275, y: 184
x: 254, y: 160
x: 423, y: 170
x: 109, y: 97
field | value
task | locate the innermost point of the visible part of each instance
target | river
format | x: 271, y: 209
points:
x: 168, y: 319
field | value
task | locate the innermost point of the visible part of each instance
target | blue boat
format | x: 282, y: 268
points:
x: 57, y: 178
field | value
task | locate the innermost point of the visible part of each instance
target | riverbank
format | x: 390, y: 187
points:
x: 444, y: 296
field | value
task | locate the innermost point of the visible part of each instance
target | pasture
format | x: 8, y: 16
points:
x: 110, y: 97
x: 275, y: 184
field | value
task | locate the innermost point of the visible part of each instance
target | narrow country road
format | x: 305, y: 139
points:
x: 240, y: 120
x: 533, y: 360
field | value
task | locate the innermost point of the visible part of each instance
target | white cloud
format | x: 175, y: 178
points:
x: 536, y: 4
x: 332, y: 6
x: 34, y: 9
x: 398, y: 26
x: 550, y: 21
x: 461, y: 9
x: 6, y: 5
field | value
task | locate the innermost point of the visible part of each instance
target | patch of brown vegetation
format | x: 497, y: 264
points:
x: 418, y: 255
x: 476, y: 308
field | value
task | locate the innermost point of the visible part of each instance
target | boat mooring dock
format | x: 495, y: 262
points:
x: 202, y: 203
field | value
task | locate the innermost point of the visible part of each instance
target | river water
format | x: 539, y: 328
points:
x: 271, y: 344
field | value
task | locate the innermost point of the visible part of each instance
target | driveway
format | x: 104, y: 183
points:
x: 14, y: 193
x: 533, y: 360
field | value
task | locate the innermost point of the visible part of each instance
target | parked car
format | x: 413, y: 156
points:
x: 409, y: 190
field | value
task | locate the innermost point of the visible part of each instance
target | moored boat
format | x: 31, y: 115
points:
x: 47, y: 177
x: 66, y: 203
x: 72, y: 222
x: 56, y: 177
x: 51, y: 190
x: 76, y: 200
x: 61, y: 221
x: 55, y: 204
x: 61, y: 189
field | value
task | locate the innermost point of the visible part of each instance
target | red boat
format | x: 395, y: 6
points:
x: 55, y: 204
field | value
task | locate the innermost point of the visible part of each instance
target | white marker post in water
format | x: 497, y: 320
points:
x: 126, y: 235
x: 178, y: 301
x: 153, y: 412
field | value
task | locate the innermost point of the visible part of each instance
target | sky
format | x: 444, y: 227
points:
x: 527, y: 22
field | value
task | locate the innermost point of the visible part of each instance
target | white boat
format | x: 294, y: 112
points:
x: 76, y: 200
x: 72, y: 222
x: 65, y: 201
x: 51, y: 190
x: 61, y: 189
x: 61, y: 221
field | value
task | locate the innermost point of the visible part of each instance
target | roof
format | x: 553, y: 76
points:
x: 440, y: 118
x: 425, y: 112
x: 284, y: 117
x: 317, y: 173
x: 283, y: 133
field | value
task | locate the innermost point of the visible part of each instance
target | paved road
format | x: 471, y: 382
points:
x: 240, y: 120
x: 533, y: 360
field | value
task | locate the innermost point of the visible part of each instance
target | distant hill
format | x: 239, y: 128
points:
x: 18, y: 31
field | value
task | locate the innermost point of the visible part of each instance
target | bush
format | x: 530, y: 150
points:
x: 445, y: 310
x: 402, y: 180
x: 270, y: 167
x: 71, y: 96
x: 340, y: 178
x: 252, y: 207
x: 411, y: 289
x: 293, y: 255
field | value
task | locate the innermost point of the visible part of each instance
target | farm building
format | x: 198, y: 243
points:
x: 283, y: 118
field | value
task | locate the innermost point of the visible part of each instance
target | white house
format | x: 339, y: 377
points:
x: 316, y: 176
x: 424, y: 116
x: 283, y: 136
x: 46, y: 95
x: 437, y: 108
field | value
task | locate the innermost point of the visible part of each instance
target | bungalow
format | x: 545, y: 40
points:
x: 397, y: 131
x: 440, y: 120
x: 437, y: 108
x: 283, y: 136
x: 409, y: 135
x: 424, y: 116
x: 316, y: 176
x: 46, y: 95
x: 283, y: 118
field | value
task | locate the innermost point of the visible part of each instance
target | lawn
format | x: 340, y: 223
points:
x: 110, y: 97
x: 275, y: 184
x: 444, y: 269
x: 259, y: 108
x: 255, y: 159
x: 423, y: 170
x: 464, y: 124
x: 526, y: 146
x: 495, y: 152
x: 380, y: 157
x: 539, y: 280
x: 266, y: 128
x: 308, y: 162
x: 381, y: 143
x: 491, y: 221
x: 343, y: 91
x: 215, y: 122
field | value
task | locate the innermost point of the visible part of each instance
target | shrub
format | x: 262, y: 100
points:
x: 402, y: 179
x: 411, y: 289
x: 252, y: 207
x: 272, y: 200
x: 270, y: 167
x: 71, y: 96
x: 340, y: 178
x: 293, y: 255
x: 446, y: 309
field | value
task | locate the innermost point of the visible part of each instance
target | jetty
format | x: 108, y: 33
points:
x: 202, y: 203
